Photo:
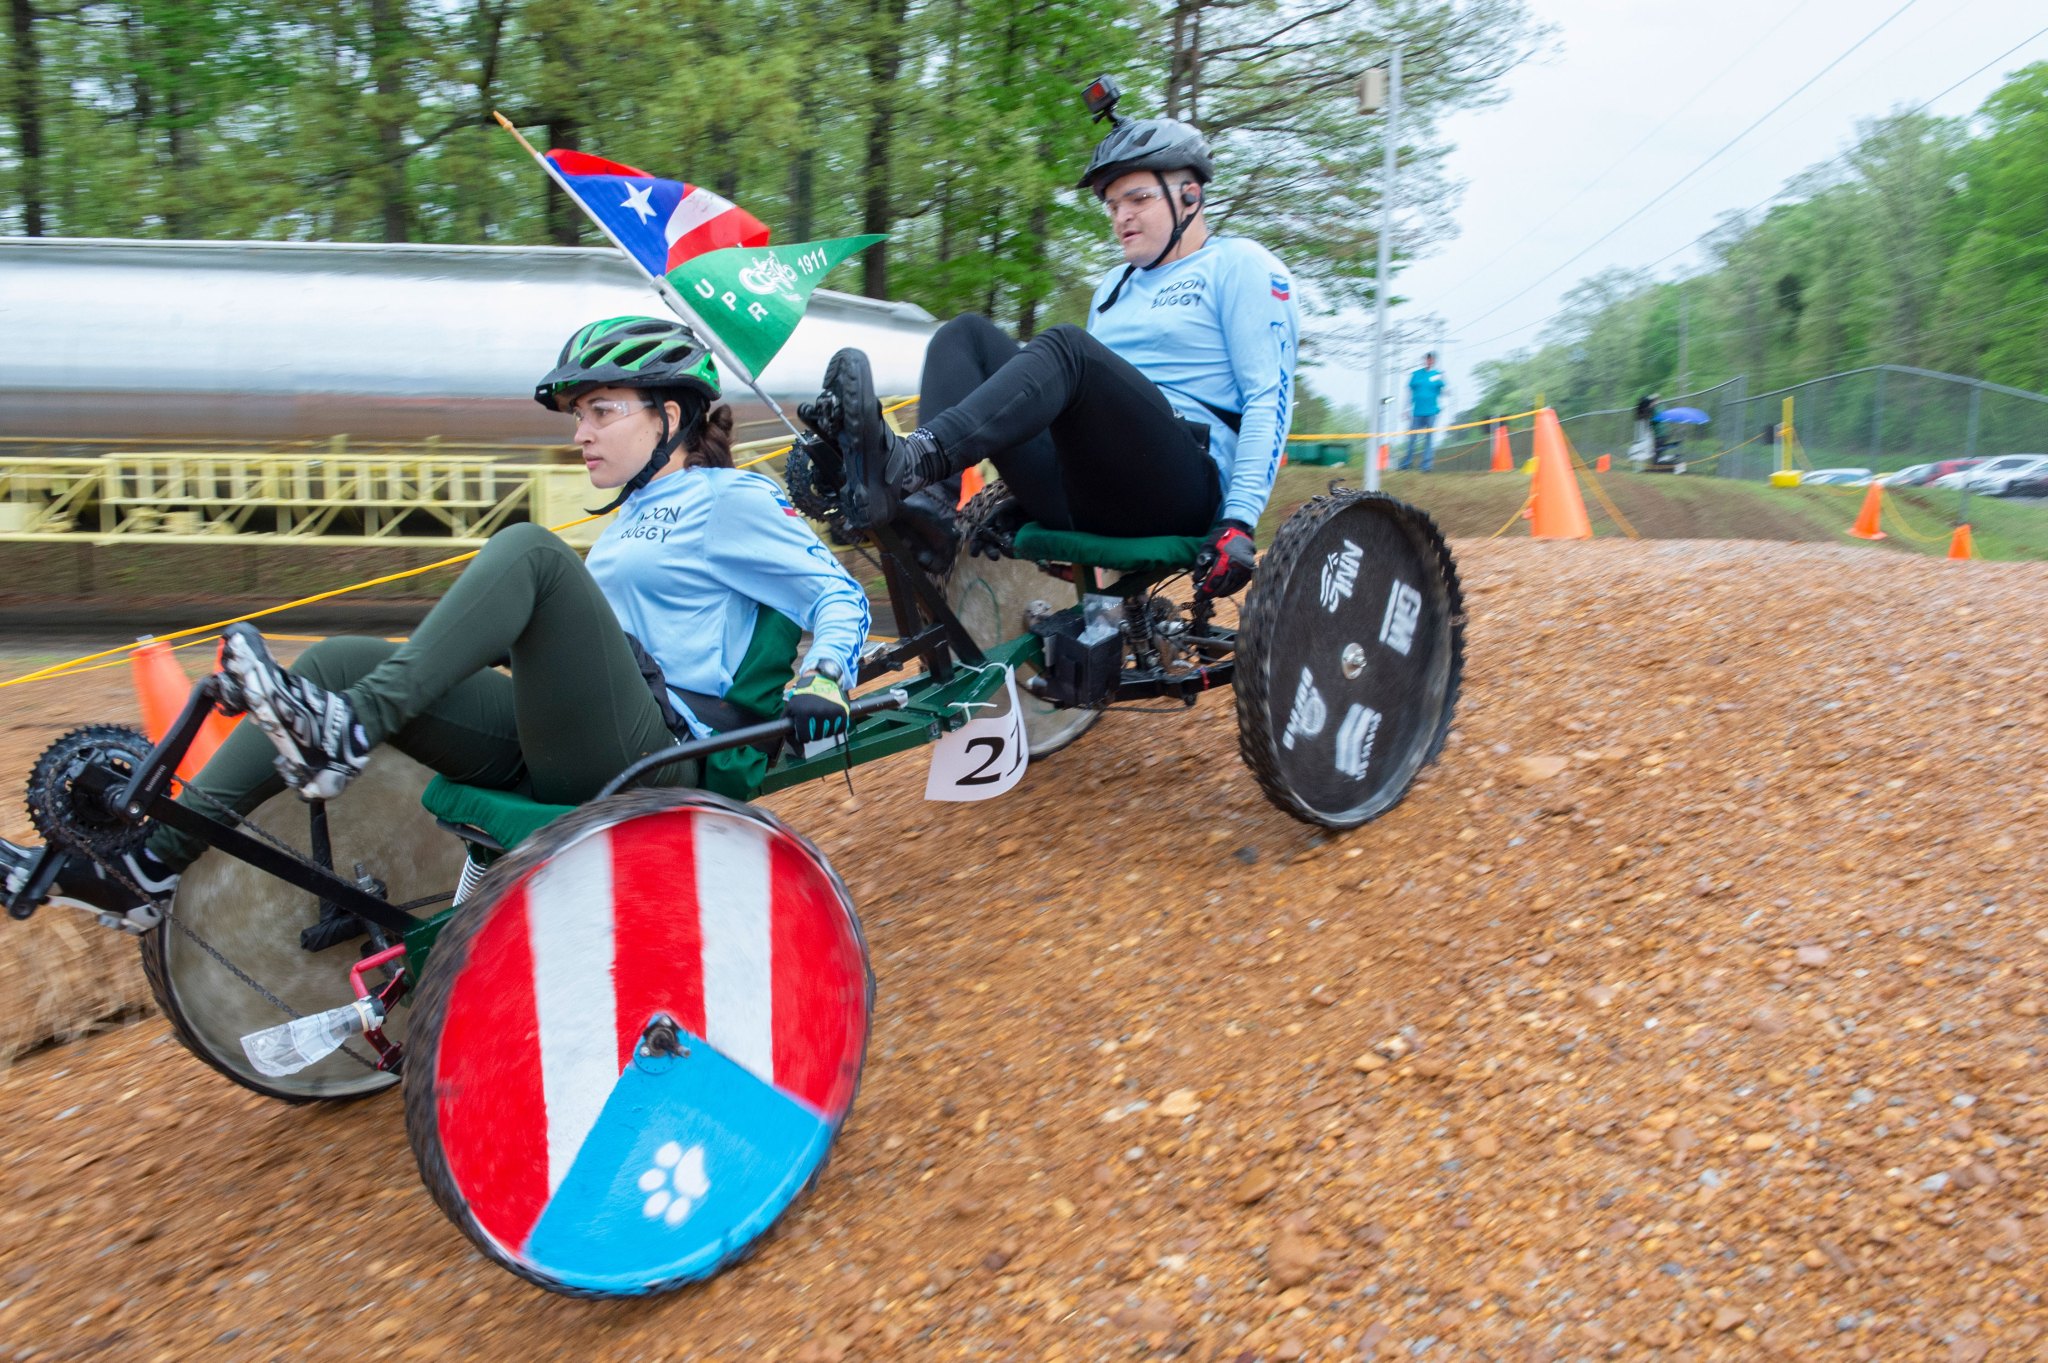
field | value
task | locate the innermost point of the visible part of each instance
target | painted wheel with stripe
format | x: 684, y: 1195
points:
x: 253, y: 920
x: 991, y: 596
x: 1350, y: 647
x: 635, y: 1045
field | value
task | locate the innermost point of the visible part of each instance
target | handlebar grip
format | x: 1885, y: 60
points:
x: 894, y: 698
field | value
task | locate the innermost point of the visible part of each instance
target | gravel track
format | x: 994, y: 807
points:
x: 1690, y: 1009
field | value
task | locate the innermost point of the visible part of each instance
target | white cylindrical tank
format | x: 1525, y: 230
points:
x: 103, y: 339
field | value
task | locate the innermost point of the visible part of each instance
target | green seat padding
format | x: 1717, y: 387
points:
x: 756, y: 691
x: 508, y: 817
x: 1043, y: 545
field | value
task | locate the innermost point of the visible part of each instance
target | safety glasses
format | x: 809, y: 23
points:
x: 1138, y: 199
x: 602, y: 412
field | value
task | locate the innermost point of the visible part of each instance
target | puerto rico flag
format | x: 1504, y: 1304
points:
x: 617, y: 1171
x: 661, y: 223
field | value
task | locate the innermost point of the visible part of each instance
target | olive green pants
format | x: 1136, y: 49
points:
x: 572, y: 714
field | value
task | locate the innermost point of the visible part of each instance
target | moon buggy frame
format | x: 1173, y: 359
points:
x: 629, y: 1044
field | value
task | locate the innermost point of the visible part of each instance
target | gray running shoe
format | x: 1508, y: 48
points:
x: 320, y: 746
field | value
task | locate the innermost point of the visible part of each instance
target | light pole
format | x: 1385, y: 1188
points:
x: 1377, y: 397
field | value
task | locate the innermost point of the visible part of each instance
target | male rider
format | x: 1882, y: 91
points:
x: 1167, y: 415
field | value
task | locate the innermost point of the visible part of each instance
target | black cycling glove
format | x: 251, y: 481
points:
x: 816, y: 707
x: 1226, y: 561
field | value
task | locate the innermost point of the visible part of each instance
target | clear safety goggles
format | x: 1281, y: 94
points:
x: 1136, y: 199
x: 602, y: 412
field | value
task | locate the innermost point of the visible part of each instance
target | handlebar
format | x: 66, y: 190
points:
x: 895, y: 698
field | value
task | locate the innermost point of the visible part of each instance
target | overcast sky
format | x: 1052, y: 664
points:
x: 1619, y: 68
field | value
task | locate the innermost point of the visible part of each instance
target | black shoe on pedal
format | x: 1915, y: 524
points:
x: 881, y: 466
x: 320, y: 746
x: 132, y: 879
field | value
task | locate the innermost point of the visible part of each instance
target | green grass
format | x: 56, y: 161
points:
x: 1663, y: 506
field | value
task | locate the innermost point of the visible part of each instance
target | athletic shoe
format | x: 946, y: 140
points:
x: 882, y: 467
x: 83, y: 883
x: 320, y: 746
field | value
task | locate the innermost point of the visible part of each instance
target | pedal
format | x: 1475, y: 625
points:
x: 335, y: 927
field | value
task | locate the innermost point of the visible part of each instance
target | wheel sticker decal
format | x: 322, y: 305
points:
x: 1404, y: 612
x: 1340, y: 575
x: 1309, y: 714
x: 674, y: 1184
x: 1354, y: 740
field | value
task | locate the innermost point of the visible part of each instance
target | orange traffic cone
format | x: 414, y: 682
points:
x: 970, y: 483
x: 163, y: 688
x: 1960, y: 544
x: 1558, y: 511
x: 1384, y: 460
x: 1867, y: 519
x: 1503, y: 461
x: 1603, y: 463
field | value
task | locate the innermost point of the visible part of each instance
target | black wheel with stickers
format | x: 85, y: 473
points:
x: 1350, y: 647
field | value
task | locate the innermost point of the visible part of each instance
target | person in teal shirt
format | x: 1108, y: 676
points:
x: 1425, y: 402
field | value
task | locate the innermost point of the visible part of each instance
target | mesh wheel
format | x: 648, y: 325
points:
x: 1349, y: 650
x: 254, y: 919
x: 550, y: 1120
x: 990, y: 597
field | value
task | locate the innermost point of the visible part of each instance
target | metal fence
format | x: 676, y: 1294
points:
x: 1881, y: 418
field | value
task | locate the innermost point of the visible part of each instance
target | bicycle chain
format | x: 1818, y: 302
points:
x: 163, y: 907
x: 242, y: 822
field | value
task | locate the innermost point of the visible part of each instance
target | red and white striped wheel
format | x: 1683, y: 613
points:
x: 634, y: 1047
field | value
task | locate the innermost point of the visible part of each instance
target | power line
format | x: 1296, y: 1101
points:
x: 1720, y: 151
x: 1922, y: 107
x: 1480, y: 272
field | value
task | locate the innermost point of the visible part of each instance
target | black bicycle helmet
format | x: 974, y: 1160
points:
x: 1154, y: 144
x: 631, y: 352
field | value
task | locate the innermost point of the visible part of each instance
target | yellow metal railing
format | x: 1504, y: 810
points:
x: 441, y: 498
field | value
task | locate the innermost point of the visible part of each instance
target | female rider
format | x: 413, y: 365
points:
x: 667, y: 631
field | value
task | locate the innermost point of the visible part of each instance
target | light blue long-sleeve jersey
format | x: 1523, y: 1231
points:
x: 690, y: 556
x: 1215, y: 327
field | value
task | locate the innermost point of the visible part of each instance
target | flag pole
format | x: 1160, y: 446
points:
x: 661, y: 285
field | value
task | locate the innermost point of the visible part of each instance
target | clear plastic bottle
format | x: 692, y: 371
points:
x: 291, y: 1046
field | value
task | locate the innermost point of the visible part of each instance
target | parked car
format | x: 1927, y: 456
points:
x: 1924, y: 474
x: 1998, y: 482
x: 1992, y: 473
x: 1837, y: 477
x: 2028, y: 485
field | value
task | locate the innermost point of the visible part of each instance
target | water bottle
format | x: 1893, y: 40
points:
x: 291, y: 1046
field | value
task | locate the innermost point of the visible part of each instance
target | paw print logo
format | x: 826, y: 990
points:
x: 675, y: 1184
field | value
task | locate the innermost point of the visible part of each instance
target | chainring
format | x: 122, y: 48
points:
x: 62, y: 811
x: 812, y: 477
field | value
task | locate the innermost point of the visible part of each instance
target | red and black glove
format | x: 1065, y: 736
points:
x: 1226, y: 561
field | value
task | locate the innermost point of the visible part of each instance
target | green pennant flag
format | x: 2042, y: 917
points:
x: 753, y: 296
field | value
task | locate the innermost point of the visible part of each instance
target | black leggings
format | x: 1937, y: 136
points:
x: 1083, y: 439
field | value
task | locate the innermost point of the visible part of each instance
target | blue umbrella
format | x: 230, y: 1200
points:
x: 1683, y: 416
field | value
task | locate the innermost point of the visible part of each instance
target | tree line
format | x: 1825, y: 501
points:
x: 1924, y: 244
x: 953, y: 125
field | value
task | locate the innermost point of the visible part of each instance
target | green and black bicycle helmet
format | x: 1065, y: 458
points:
x: 664, y: 359
x: 630, y: 352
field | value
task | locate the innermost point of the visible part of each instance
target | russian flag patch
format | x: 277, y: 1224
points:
x: 1280, y: 287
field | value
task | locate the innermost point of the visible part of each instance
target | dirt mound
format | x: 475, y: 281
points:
x: 1689, y: 1008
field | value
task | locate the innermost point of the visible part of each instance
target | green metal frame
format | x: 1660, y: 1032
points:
x: 934, y: 708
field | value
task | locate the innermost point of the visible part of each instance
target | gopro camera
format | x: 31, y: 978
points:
x: 1102, y: 94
